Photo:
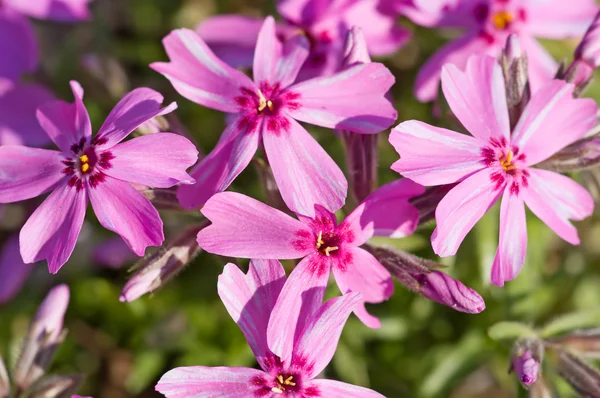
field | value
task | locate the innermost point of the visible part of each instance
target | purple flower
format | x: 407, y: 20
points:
x: 487, y: 24
x: 292, y: 347
x: 100, y: 169
x: 244, y: 227
x: 442, y: 288
x: 325, y: 23
x: 496, y: 162
x: 268, y: 108
x: 526, y: 367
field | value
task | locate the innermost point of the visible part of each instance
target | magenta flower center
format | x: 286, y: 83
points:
x: 328, y: 243
x: 499, y: 17
x: 85, y: 165
x: 285, y: 383
x: 509, y: 163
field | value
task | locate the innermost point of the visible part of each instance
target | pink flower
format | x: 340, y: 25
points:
x: 48, y: 320
x: 325, y: 23
x: 244, y: 227
x: 99, y: 169
x: 268, y: 108
x: 496, y: 162
x: 292, y: 345
x: 488, y: 23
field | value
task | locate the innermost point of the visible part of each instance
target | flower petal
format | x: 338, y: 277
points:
x: 133, y: 110
x: 205, y: 382
x: 232, y: 38
x: 198, y: 75
x: 293, y: 55
x: 305, y: 173
x: 334, y: 388
x: 19, y: 48
x: 66, y: 123
x: 51, y: 231
x: 250, y: 298
x: 352, y: 100
x: 456, y: 52
x: 244, y: 227
x: 28, y: 172
x: 122, y: 209
x: 18, y: 124
x: 13, y: 271
x: 267, y: 53
x: 320, y: 337
x: 158, y: 160
x: 557, y: 19
x: 460, y: 209
x: 434, y: 156
x: 552, y: 120
x: 477, y: 97
x: 556, y: 199
x: 361, y: 272
x: 512, y: 246
x: 215, y: 172
x: 300, y: 298
x: 385, y: 212
x: 56, y: 10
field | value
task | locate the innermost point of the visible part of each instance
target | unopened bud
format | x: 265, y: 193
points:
x: 581, y: 155
x: 50, y: 315
x: 428, y: 202
x: 4, y: 381
x: 355, y: 48
x: 163, y: 199
x: 55, y: 386
x: 582, y: 377
x: 589, y: 48
x: 361, y: 158
x: 526, y: 359
x: 516, y: 76
x: 158, y: 268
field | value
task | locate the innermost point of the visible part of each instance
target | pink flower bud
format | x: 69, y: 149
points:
x: 50, y: 314
x: 441, y: 288
x: 589, y: 48
x: 526, y: 367
x: 355, y: 49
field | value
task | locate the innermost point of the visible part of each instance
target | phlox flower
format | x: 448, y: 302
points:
x: 100, y: 169
x: 292, y: 347
x: 496, y: 162
x: 268, y: 109
x: 244, y: 227
x: 324, y: 22
x: 487, y: 24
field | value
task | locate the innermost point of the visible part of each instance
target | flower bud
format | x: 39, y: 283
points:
x: 355, y: 49
x: 588, y: 50
x: 516, y: 77
x: 55, y: 386
x: 428, y: 202
x: 443, y: 289
x: 581, y: 155
x: 361, y: 159
x: 526, y: 367
x: 49, y: 317
x: 584, y: 378
x: 158, y: 268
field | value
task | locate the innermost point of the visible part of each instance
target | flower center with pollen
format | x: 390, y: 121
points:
x: 264, y: 103
x: 326, y: 243
x: 284, y: 383
x: 502, y: 19
x: 506, y: 161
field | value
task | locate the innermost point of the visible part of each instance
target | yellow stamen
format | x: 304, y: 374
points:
x: 289, y: 382
x: 320, y: 241
x: 262, y: 102
x: 330, y: 249
x: 270, y: 105
x: 506, y: 161
x: 85, y: 167
x: 277, y: 390
x: 502, y: 19
x: 84, y: 158
x: 280, y: 379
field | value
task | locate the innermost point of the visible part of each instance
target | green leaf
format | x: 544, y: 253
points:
x: 575, y: 320
x: 509, y: 331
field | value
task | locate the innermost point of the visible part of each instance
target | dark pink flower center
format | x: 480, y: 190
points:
x: 86, y: 165
x: 263, y: 107
x: 499, y: 17
x: 508, y: 162
x: 284, y: 383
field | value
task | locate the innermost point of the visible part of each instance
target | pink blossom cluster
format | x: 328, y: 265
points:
x: 311, y: 67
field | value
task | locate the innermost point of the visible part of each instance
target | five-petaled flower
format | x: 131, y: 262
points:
x: 268, y: 108
x: 99, y: 168
x: 291, y: 345
x: 488, y: 23
x: 244, y: 227
x: 496, y: 162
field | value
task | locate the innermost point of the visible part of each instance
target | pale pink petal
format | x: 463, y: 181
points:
x: 66, y: 123
x: 435, y: 13
x: 432, y: 155
x: 556, y: 199
x: 215, y: 172
x: 122, y: 209
x: 250, y: 298
x: 552, y: 120
x: 352, y: 100
x: 477, y: 97
x: 334, y: 388
x: 303, y: 12
x: 133, y: 110
x: 57, y: 10
x: 293, y: 54
x: 51, y: 231
x: 385, y: 212
x: 512, y: 246
x: 361, y: 272
x: 197, y: 74
x: 267, y: 53
x: 232, y: 38
x: 244, y: 227
x: 157, y: 160
x: 559, y: 19
x: 320, y: 337
x: 460, y: 209
x: 304, y: 172
x: 18, y: 124
x: 299, y: 299
x: 19, y: 48
x: 28, y: 172
x: 205, y: 382
x: 456, y: 52
x: 13, y: 271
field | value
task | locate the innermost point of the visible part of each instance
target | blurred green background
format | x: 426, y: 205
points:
x: 422, y: 350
